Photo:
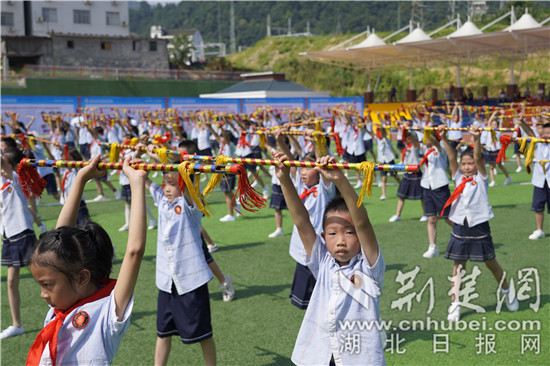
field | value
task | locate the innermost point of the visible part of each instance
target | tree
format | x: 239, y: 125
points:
x: 180, y: 51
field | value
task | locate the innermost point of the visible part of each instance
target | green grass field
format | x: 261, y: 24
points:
x: 259, y: 326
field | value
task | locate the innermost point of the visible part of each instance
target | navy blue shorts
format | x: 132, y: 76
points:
x: 434, y: 200
x: 368, y: 145
x: 256, y: 152
x: 214, y: 144
x: 85, y: 151
x: 409, y: 188
x: 516, y: 148
x: 454, y: 143
x: 490, y: 157
x: 353, y: 159
x: 207, y: 256
x: 51, y: 186
x: 102, y: 179
x: 250, y: 168
x: 17, y: 249
x: 228, y: 183
x: 277, y: 199
x: 385, y: 173
x: 302, y: 287
x: 205, y: 152
x: 126, y: 193
x: 400, y: 144
x: 186, y: 315
x: 471, y: 243
x: 541, y: 197
x: 83, y: 214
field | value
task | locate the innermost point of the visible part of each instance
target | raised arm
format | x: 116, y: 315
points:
x: 451, y: 152
x: 478, y: 152
x: 298, y: 211
x: 135, y: 248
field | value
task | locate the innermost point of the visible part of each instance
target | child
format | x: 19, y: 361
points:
x: 67, y: 182
x: 491, y: 152
x: 97, y: 149
x: 351, y: 256
x: 315, y: 193
x: 17, y: 235
x: 470, y: 214
x: 89, y: 313
x: 540, y: 180
x: 182, y: 274
x: 386, y: 154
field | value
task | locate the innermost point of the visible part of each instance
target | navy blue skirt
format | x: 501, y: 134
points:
x: 277, y: 199
x: 302, y: 287
x: 16, y: 250
x: 409, y: 188
x: 228, y: 183
x: 490, y: 157
x: 471, y: 243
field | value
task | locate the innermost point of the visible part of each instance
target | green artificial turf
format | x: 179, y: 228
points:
x: 259, y: 326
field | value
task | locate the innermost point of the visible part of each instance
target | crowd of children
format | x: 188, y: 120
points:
x: 339, y: 265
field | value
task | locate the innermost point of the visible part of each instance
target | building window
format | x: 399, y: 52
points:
x: 136, y: 46
x: 81, y: 16
x: 49, y: 15
x: 106, y: 45
x: 70, y: 44
x: 7, y: 19
x: 113, y: 18
x: 152, y: 46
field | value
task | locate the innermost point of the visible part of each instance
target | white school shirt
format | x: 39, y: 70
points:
x: 203, y: 139
x: 95, y: 344
x: 68, y: 177
x: 542, y: 152
x: 454, y: 135
x: 40, y: 155
x: 243, y: 150
x: 123, y: 178
x: 321, y: 335
x: 385, y: 153
x: 473, y: 203
x: 57, y: 151
x: 355, y: 145
x: 368, y: 136
x: 16, y: 217
x: 95, y: 148
x: 487, y: 140
x: 435, y: 175
x: 227, y: 150
x: 413, y: 156
x: 315, y: 205
x: 113, y: 134
x: 84, y: 136
x: 180, y: 259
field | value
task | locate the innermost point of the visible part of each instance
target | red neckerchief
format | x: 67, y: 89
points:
x: 5, y: 186
x: 307, y: 192
x: 48, y: 334
x: 63, y: 181
x: 425, y: 158
x: 458, y: 190
x: 242, y: 140
x: 409, y: 146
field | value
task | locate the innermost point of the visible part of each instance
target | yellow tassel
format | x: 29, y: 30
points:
x: 494, y: 136
x: 318, y: 126
x: 427, y: 135
x: 216, y: 179
x: 367, y: 167
x: 31, y: 142
x: 114, y: 156
x: 543, y: 167
x: 530, y: 152
x: 163, y: 156
x: 261, y: 134
x: 185, y: 169
x: 134, y: 141
x: 522, y: 145
x: 321, y: 142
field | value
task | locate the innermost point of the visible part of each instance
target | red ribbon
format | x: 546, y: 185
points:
x: 425, y: 158
x: 458, y: 190
x: 307, y: 192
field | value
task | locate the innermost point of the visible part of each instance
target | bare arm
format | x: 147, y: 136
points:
x: 478, y: 152
x: 451, y: 152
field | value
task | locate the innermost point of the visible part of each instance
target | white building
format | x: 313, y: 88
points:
x: 43, y: 18
x: 193, y: 35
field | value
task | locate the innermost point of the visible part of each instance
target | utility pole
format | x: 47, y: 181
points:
x: 219, y: 23
x: 269, y: 25
x: 289, y: 32
x: 232, y: 45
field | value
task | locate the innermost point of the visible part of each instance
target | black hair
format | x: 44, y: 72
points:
x: 10, y: 142
x: 190, y: 146
x: 468, y: 152
x: 75, y: 249
x: 16, y: 131
x: 13, y: 156
x: 310, y: 156
x: 74, y: 154
x: 99, y: 130
x: 336, y: 204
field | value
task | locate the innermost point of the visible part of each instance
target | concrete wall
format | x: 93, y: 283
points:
x: 65, y: 18
x: 18, y: 27
x: 116, y: 52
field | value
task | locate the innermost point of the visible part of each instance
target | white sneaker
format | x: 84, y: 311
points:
x: 117, y: 194
x: 431, y: 252
x: 395, y: 218
x: 495, y: 170
x: 276, y: 233
x: 227, y: 218
x: 512, y: 305
x: 42, y: 228
x: 212, y: 248
x: 454, y: 312
x: 113, y: 172
x: 265, y: 192
x: 358, y: 185
x: 99, y: 198
x: 537, y: 234
x: 518, y: 169
x: 508, y: 180
x: 424, y: 218
x: 382, y: 198
x: 227, y: 289
x: 492, y: 184
x: 155, y: 174
x: 12, y: 331
x: 123, y: 228
x: 152, y: 225
x: 238, y: 209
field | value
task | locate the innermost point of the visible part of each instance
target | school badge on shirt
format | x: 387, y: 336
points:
x: 315, y: 194
x: 81, y: 320
x: 177, y: 209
